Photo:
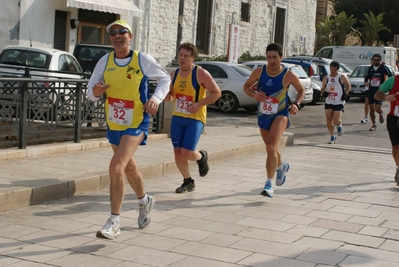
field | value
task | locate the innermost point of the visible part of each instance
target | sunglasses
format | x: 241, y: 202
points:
x: 120, y: 31
x: 376, y: 60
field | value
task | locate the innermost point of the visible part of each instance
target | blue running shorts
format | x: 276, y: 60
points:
x: 185, y: 132
x: 265, y: 121
x: 114, y: 137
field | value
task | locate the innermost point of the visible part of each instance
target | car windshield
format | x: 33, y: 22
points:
x: 242, y: 70
x: 87, y: 53
x: 300, y: 72
x: 344, y: 68
x: 25, y: 58
x: 359, y: 72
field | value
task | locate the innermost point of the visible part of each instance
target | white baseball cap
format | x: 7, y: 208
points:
x: 120, y: 23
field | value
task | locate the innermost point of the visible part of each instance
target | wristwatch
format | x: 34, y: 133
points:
x: 297, y: 105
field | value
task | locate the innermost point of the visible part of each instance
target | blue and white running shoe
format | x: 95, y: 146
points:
x: 280, y: 176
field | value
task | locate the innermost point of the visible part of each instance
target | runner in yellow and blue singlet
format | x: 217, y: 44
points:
x: 274, y: 108
x: 277, y: 103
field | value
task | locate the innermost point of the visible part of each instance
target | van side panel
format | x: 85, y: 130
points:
x: 354, y: 56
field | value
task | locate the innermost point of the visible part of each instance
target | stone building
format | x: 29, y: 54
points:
x: 159, y: 26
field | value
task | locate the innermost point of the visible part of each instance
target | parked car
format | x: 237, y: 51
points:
x: 46, y: 62
x: 312, y: 70
x: 230, y: 78
x: 323, y: 65
x: 319, y: 68
x: 298, y: 70
x: 89, y: 54
x: 43, y: 63
x: 356, y: 79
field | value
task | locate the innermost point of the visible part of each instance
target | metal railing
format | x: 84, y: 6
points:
x: 44, y: 110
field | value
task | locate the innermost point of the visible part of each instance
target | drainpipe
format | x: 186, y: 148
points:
x: 194, y: 30
x: 148, y: 26
x: 136, y: 29
x: 274, y: 20
x: 213, y: 28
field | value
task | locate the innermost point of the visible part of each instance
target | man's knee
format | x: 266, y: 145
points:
x: 185, y: 153
x: 116, y: 170
x: 271, y: 147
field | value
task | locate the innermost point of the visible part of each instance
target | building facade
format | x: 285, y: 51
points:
x: 159, y: 26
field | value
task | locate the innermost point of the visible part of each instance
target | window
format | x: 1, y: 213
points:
x: 93, y: 34
x: 204, y: 26
x: 215, y: 71
x: 68, y: 63
x: 245, y: 12
x: 327, y: 53
x: 25, y: 58
x: 279, y: 30
x: 300, y: 72
x: 92, y: 26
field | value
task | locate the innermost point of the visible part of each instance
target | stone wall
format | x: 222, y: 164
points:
x: 159, y: 39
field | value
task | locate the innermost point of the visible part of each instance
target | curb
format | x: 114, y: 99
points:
x: 89, y: 182
x: 60, y: 148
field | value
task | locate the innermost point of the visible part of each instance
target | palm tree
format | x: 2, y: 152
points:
x: 323, y: 33
x: 334, y: 30
x: 343, y: 25
x: 371, y: 27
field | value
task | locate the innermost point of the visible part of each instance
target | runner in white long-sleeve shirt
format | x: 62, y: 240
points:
x: 123, y: 75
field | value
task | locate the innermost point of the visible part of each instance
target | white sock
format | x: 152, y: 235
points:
x: 280, y: 168
x: 115, y: 218
x: 270, y: 179
x: 144, y: 200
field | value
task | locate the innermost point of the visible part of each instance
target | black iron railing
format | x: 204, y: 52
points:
x: 44, y: 110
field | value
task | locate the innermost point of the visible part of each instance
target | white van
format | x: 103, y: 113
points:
x: 354, y: 56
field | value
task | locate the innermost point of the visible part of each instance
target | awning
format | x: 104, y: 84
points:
x: 123, y: 7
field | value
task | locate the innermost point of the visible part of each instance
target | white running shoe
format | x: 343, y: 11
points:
x: 397, y: 177
x: 280, y: 176
x: 145, y: 212
x: 268, y: 190
x: 365, y: 120
x: 333, y: 139
x: 110, y: 230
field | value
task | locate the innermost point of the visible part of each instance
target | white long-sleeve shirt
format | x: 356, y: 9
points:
x: 149, y: 66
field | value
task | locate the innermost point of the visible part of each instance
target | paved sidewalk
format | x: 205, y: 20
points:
x: 53, y: 171
x: 339, y: 207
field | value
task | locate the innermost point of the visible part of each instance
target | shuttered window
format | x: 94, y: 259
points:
x: 279, y: 30
x: 60, y: 30
x: 245, y: 12
x: 203, y: 26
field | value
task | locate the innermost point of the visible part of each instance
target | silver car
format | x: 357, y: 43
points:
x: 230, y: 78
x: 299, y: 71
x: 356, y: 79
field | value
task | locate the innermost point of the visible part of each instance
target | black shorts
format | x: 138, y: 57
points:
x: 339, y: 107
x: 393, y: 129
x: 371, y: 93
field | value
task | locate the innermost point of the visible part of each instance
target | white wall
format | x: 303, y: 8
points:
x: 9, y: 23
x: 37, y: 23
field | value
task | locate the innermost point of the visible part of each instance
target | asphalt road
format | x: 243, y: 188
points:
x: 309, y: 125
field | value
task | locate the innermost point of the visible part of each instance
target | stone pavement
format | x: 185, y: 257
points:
x: 339, y: 207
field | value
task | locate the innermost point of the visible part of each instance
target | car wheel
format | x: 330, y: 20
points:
x: 228, y: 102
x: 251, y: 109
